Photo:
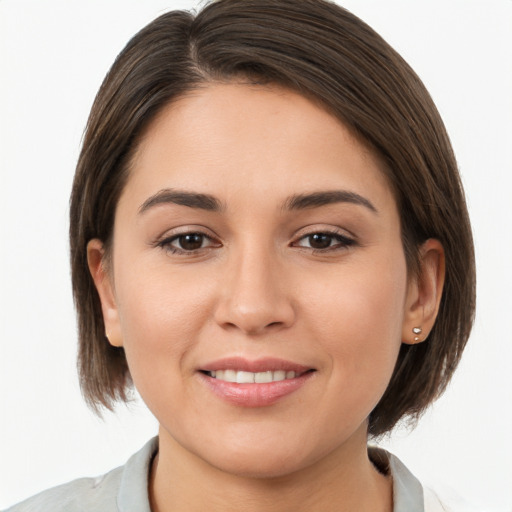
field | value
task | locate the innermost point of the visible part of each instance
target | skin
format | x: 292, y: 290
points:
x: 260, y: 286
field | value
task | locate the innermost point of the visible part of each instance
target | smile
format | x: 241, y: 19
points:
x: 248, y: 383
x: 244, y: 377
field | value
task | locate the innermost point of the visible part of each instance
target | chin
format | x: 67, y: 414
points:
x: 261, y: 466
x: 264, y: 460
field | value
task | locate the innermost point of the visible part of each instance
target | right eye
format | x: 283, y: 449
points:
x: 186, y: 243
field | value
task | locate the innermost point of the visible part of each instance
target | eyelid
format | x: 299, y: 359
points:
x: 324, y: 228
x: 345, y: 239
x: 164, y: 241
x: 185, y: 230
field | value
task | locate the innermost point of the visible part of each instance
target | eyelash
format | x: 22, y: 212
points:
x: 342, y: 242
x: 167, y: 243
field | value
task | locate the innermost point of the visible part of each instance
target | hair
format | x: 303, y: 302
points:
x: 327, y: 54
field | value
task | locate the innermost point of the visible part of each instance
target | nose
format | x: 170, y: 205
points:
x: 255, y: 296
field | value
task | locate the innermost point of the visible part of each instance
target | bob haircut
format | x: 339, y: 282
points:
x: 330, y: 56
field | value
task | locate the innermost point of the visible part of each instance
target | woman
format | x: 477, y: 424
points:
x: 269, y: 237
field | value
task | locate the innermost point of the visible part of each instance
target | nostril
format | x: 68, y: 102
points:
x: 254, y: 310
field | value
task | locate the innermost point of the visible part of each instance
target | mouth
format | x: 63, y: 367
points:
x: 245, y: 377
x: 259, y: 383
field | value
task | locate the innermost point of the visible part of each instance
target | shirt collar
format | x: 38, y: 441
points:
x: 407, y: 490
x: 133, y: 495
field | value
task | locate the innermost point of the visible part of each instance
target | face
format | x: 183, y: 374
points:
x: 258, y: 282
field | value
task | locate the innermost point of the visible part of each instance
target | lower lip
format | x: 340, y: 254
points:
x: 255, y: 395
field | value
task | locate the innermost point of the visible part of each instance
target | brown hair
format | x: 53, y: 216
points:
x: 329, y: 55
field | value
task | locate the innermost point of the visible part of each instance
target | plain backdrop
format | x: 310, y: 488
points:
x: 53, y: 57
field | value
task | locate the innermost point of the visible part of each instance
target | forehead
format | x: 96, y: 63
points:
x: 227, y: 138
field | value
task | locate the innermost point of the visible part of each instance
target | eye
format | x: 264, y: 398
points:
x: 187, y: 243
x: 324, y: 241
x: 190, y: 241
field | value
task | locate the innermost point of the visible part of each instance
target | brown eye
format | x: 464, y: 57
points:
x: 190, y: 241
x: 324, y: 241
x: 320, y: 240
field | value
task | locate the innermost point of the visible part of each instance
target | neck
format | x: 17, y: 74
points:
x: 343, y: 481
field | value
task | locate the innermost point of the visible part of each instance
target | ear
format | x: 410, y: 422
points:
x: 424, y: 293
x: 104, y: 284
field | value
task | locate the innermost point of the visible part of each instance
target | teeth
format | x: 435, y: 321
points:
x: 279, y: 375
x: 245, y: 377
x: 242, y: 377
x: 262, y: 377
x: 229, y: 375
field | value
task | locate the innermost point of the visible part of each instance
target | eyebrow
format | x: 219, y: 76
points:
x: 296, y: 202
x: 323, y: 198
x: 183, y: 198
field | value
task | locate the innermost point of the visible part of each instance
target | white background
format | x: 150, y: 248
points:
x: 53, y: 56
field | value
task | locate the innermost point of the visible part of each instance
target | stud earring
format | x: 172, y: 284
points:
x: 417, y: 331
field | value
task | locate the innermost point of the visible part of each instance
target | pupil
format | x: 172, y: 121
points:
x: 320, y: 241
x: 191, y: 242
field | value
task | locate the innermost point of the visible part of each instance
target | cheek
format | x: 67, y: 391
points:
x: 160, y: 313
x: 357, y: 317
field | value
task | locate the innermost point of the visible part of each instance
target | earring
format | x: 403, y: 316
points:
x: 417, y: 331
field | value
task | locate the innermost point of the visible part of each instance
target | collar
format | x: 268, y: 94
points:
x: 133, y: 493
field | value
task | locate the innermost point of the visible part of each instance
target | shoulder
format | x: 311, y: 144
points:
x: 82, y: 495
x: 122, y: 489
x: 409, y: 494
x: 446, y: 501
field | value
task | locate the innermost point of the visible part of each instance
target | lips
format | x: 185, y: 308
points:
x: 254, y: 383
x: 258, y: 365
x: 243, y: 377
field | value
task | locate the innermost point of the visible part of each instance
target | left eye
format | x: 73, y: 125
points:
x: 190, y: 241
x: 322, y: 241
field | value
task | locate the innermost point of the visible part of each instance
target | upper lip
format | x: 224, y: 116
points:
x: 258, y: 365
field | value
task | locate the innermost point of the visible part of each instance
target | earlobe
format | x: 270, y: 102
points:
x: 103, y: 282
x: 424, y: 293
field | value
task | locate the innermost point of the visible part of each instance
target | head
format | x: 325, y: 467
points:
x: 327, y: 56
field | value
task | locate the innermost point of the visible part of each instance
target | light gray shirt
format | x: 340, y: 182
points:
x: 125, y: 489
